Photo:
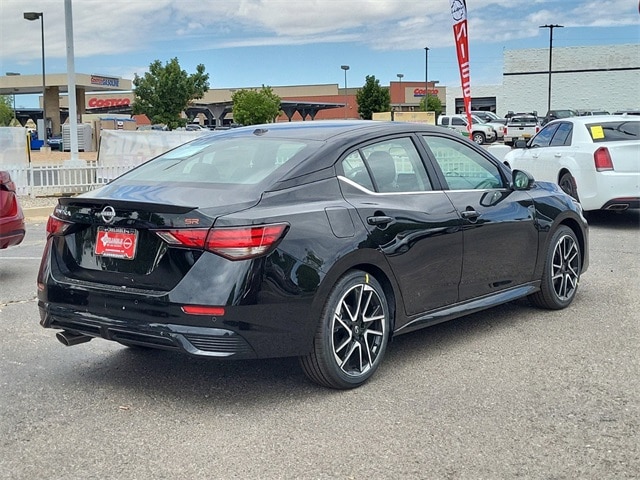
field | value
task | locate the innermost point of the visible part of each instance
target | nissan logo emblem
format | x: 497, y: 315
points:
x: 108, y: 214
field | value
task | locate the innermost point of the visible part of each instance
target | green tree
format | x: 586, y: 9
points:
x: 164, y: 92
x: 6, y: 111
x: 431, y: 103
x: 372, y: 98
x: 252, y: 107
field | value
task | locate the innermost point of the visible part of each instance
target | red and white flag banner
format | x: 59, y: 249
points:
x: 459, y: 14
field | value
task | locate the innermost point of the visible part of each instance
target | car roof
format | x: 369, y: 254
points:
x: 323, y: 130
x: 585, y: 120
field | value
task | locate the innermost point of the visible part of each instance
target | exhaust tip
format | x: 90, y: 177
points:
x: 618, y: 207
x: 69, y: 339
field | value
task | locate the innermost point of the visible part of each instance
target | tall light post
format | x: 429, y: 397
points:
x: 345, y: 68
x: 35, y: 16
x: 400, y: 76
x: 14, y: 74
x: 426, y: 76
x: 550, y: 27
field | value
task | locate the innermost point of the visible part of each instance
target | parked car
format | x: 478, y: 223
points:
x: 627, y: 112
x: 520, y: 127
x: 556, y: 114
x: 593, y: 159
x: 488, y: 117
x: 321, y: 240
x: 585, y: 113
x: 55, y: 142
x: 480, y: 132
x: 12, y: 227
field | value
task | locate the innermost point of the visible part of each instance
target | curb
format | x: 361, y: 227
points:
x: 37, y: 213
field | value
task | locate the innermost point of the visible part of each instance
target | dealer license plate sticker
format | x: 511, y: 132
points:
x: 116, y: 242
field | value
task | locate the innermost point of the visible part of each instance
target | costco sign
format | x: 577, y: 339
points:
x: 95, y: 102
x: 420, y: 92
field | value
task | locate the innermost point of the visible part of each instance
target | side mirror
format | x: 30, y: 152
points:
x: 521, y: 180
x: 520, y: 143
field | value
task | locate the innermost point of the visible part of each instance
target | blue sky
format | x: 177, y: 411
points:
x: 247, y: 43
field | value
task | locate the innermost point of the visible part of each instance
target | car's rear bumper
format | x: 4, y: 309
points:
x: 237, y: 332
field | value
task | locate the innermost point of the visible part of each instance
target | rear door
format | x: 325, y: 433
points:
x: 500, y: 235
x: 414, y: 225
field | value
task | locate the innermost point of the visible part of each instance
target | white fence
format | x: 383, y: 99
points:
x: 59, y: 178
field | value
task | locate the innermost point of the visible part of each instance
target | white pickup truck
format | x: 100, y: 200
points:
x: 480, y: 132
x: 520, y: 127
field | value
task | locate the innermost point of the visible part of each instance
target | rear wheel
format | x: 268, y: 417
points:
x: 352, y: 334
x: 561, y: 271
x: 568, y: 185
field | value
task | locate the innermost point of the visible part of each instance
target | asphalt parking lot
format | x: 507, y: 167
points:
x: 513, y: 392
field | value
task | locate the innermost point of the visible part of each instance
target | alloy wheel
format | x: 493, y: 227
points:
x: 565, y: 267
x: 358, y: 330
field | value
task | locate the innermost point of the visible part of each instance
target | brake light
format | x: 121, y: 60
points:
x: 6, y: 182
x: 240, y: 243
x: 234, y: 243
x: 55, y: 226
x: 602, y: 159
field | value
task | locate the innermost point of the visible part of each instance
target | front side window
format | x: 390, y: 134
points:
x: 463, y: 168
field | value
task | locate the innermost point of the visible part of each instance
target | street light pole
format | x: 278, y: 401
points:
x: 426, y: 77
x: 345, y: 68
x: 34, y: 16
x: 400, y: 76
x: 550, y: 27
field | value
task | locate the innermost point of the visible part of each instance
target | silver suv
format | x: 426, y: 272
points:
x: 480, y: 132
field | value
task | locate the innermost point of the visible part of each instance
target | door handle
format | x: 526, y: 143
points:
x: 558, y: 155
x: 379, y: 220
x: 470, y: 214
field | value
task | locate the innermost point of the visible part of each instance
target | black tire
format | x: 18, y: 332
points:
x: 478, y: 137
x: 568, y: 185
x: 561, y: 273
x: 352, y: 334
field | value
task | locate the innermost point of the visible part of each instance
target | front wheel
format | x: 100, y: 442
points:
x: 479, y: 138
x: 561, y: 271
x: 352, y: 334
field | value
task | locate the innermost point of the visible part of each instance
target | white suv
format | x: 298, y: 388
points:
x: 480, y: 132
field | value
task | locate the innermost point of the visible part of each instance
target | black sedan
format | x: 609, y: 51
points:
x: 320, y: 240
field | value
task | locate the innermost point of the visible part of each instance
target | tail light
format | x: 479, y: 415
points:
x: 6, y: 183
x: 234, y: 243
x: 55, y: 226
x: 602, y: 159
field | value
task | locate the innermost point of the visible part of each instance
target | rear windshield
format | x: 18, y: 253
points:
x: 237, y: 160
x: 523, y: 120
x: 614, y: 131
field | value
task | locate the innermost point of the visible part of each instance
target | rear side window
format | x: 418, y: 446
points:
x: 544, y: 136
x: 392, y: 166
x: 614, y: 131
x: 242, y: 161
x: 562, y: 136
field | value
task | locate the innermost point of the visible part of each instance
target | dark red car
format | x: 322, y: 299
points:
x: 11, y: 217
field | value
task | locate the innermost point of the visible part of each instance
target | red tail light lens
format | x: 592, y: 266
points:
x: 6, y: 182
x: 188, y: 237
x: 602, y: 159
x: 55, y: 226
x: 240, y: 243
x: 234, y: 243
